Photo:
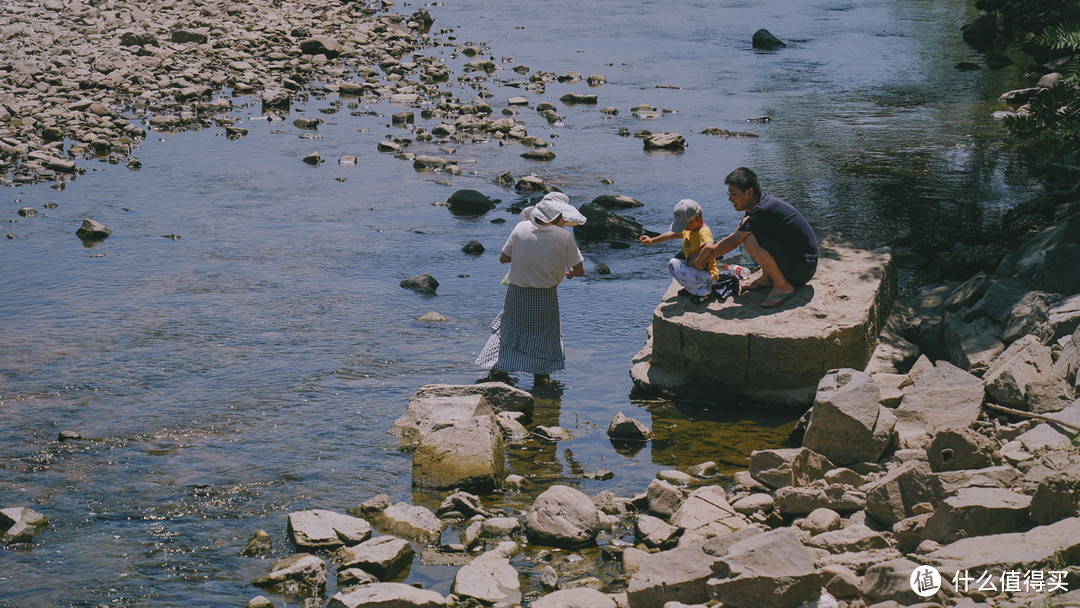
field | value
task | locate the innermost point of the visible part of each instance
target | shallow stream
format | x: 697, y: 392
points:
x: 252, y: 366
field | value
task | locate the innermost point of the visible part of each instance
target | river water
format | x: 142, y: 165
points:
x: 252, y: 366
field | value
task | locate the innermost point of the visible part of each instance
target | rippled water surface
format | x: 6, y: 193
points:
x: 251, y: 367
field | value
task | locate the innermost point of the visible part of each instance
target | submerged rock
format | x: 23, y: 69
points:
x: 764, y: 39
x: 20, y: 524
x: 92, y: 230
x: 469, y: 202
x: 421, y: 283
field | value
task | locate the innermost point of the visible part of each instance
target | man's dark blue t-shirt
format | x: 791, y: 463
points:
x: 786, y: 235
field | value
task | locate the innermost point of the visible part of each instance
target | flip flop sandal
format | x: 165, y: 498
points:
x: 777, y: 300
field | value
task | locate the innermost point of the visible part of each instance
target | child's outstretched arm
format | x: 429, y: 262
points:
x: 660, y: 238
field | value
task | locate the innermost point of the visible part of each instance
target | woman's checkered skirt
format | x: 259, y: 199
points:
x: 527, y: 334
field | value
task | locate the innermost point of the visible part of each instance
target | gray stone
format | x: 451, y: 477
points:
x: 778, y: 468
x: 20, y: 524
x: 603, y: 225
x: 909, y: 532
x: 952, y: 450
x: 320, y: 529
x: 300, y: 574
x: 945, y: 397
x: 422, y: 283
x: 665, y: 141
x: 371, y: 507
x: 979, y: 512
x: 1030, y: 316
x: 793, y: 501
x: 469, y: 202
x: 1057, y: 497
x: 259, y: 545
x: 92, y: 230
x: 706, y: 513
x: 970, y: 345
x: 821, y: 520
x: 467, y: 505
x: 468, y: 454
x: 529, y: 183
x: 1064, y: 317
x: 891, y: 580
x: 844, y: 476
x: 841, y: 581
x: 321, y: 45
x: 654, y: 532
x: 383, y: 557
x: 1002, y: 476
x: 1037, y: 259
x: 770, y: 570
x: 501, y: 397
x: 489, y: 579
x: 581, y: 597
x: 1031, y: 550
x: 676, y: 575
x: 849, y: 539
x: 617, y: 201
x: 628, y: 429
x: 259, y: 601
x: 847, y: 424
x: 387, y: 595
x: 351, y: 577
x: 664, y: 498
x: 562, y: 516
x: 1045, y: 436
x: 1025, y: 362
x: 748, y: 505
x: 894, y: 496
x: 411, y: 522
x: 423, y: 162
x: 427, y: 412
x: 765, y: 40
x: 859, y: 561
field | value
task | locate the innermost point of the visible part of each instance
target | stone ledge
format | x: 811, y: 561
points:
x: 736, y: 350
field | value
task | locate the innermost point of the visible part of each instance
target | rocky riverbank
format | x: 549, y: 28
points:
x: 84, y: 81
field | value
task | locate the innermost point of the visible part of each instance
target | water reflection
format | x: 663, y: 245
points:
x: 690, y: 433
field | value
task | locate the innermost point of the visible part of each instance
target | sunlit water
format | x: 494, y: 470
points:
x: 251, y: 367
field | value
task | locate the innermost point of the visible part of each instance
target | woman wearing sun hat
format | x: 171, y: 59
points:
x: 527, y: 334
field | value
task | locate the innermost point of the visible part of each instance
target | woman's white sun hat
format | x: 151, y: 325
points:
x: 551, y: 207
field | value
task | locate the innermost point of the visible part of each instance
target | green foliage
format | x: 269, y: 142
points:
x: 1053, y: 116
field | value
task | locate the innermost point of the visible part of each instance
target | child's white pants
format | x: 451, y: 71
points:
x: 697, y: 282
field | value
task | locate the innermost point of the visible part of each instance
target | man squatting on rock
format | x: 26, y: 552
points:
x: 527, y: 334
x: 773, y: 232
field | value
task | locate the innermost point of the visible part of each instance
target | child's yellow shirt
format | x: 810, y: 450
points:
x: 693, y: 241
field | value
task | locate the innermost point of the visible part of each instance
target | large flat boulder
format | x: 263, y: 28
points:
x: 1040, y: 548
x: 774, y: 355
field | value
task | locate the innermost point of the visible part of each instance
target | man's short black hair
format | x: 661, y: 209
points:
x: 744, y: 179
